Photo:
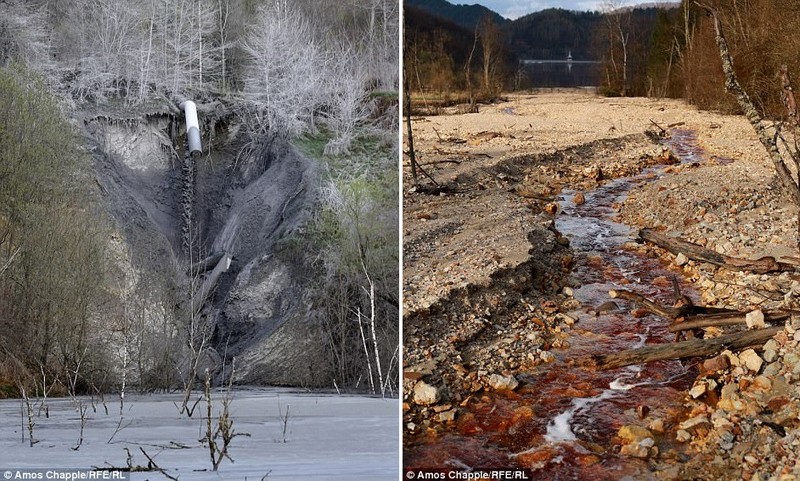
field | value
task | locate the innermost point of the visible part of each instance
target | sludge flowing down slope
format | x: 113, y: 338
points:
x: 245, y: 198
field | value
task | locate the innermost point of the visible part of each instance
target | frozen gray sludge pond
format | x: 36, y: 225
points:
x: 327, y: 436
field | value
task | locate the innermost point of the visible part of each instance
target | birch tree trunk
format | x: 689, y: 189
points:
x: 753, y: 116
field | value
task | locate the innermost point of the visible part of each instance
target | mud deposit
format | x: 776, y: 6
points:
x: 242, y: 198
x: 564, y: 420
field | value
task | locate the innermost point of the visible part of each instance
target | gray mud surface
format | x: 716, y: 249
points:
x: 246, y: 199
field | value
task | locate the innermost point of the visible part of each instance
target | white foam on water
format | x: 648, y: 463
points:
x: 618, y: 385
x: 560, y: 430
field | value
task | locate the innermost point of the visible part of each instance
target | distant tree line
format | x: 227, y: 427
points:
x: 463, y: 15
x: 443, y: 57
x: 662, y: 52
x: 439, y: 52
x: 553, y: 33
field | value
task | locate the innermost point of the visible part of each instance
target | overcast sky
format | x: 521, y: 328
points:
x: 516, y: 8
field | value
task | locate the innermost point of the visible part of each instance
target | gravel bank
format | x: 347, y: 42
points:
x: 481, y: 263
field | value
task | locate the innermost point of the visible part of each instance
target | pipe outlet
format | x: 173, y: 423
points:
x: 192, y: 126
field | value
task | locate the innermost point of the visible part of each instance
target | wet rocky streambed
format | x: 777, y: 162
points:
x: 567, y: 420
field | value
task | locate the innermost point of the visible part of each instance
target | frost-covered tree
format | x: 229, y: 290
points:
x: 381, y: 41
x: 286, y: 70
x: 102, y: 57
x: 312, y: 62
x: 134, y: 49
x: 189, y: 62
x: 347, y: 100
x: 23, y: 35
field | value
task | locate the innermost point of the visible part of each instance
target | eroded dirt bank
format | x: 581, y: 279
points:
x: 492, y: 302
x: 243, y: 198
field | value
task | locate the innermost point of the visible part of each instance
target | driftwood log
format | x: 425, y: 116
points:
x: 686, y: 349
x: 683, y: 308
x: 724, y: 319
x: 663, y: 311
x: 686, y: 316
x: 699, y: 253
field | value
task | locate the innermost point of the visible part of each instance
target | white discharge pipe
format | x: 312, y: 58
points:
x: 192, y: 126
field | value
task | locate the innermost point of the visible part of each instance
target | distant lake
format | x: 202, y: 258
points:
x: 559, y: 73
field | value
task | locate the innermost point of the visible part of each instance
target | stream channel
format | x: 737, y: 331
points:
x: 561, y: 422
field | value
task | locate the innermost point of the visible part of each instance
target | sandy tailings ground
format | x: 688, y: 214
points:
x: 487, y: 277
x: 459, y: 150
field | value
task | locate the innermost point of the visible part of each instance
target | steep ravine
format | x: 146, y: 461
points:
x: 246, y: 198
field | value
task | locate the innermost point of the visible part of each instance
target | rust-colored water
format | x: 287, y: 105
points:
x: 560, y: 423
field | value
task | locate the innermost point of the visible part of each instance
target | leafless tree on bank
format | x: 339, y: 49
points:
x: 617, y: 20
x: 409, y: 130
x: 769, y: 141
x: 473, y: 103
x: 491, y: 47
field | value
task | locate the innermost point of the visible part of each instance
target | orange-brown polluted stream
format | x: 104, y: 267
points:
x: 560, y: 423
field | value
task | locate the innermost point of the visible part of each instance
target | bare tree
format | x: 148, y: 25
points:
x: 29, y: 405
x: 101, y: 46
x: 24, y: 36
x: 147, y: 61
x: 223, y: 22
x: 381, y: 41
x: 347, y: 98
x: 373, y: 330
x: 128, y: 49
x: 769, y: 141
x: 491, y: 47
x: 198, y: 337
x: 409, y: 131
x: 219, y: 437
x: 473, y: 105
x: 617, y: 24
x: 285, y: 71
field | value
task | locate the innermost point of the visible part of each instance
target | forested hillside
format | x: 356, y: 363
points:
x: 628, y: 43
x: 467, y: 16
x: 435, y: 50
x: 553, y: 33
x: 126, y: 263
x: 665, y: 50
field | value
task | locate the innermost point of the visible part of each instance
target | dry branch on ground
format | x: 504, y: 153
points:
x: 686, y: 316
x: 697, y: 252
x: 686, y: 349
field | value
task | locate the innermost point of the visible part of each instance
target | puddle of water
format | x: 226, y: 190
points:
x: 561, y: 421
